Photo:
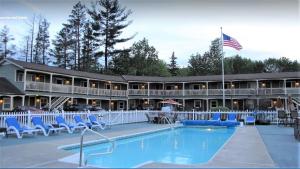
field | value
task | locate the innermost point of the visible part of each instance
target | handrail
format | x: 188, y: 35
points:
x: 111, y: 149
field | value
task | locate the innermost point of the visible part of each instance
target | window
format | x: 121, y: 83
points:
x: 135, y: 86
x: 196, y: 87
x: 19, y: 76
x: 6, y: 103
x: 121, y: 105
x: 107, y: 86
x: 213, y: 103
x: 197, y: 103
x: 59, y: 81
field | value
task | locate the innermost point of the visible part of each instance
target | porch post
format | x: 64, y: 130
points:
x: 25, y: 74
x: 87, y: 86
x: 51, y: 77
x: 11, y: 102
x: 50, y: 103
x: 183, y: 104
x: 148, y: 89
x: 207, y: 105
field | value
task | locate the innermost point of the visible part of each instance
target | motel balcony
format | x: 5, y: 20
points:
x: 62, y: 88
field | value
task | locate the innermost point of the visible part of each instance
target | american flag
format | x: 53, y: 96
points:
x: 231, y: 42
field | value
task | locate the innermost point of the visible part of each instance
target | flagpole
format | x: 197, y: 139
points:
x: 223, y: 85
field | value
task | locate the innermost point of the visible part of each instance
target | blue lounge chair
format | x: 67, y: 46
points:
x: 13, y: 125
x: 216, y: 117
x: 94, y: 121
x: 80, y: 122
x: 45, y: 128
x: 250, y: 119
x: 62, y: 123
x: 231, y: 117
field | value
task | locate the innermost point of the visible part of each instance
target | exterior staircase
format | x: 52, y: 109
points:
x: 57, y: 103
x: 296, y: 101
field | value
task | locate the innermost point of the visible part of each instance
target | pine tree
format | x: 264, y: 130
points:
x: 45, y: 43
x: 76, y: 24
x: 6, y: 38
x: 38, y: 45
x: 173, y: 65
x: 89, y: 59
x: 61, y: 51
x: 111, y: 19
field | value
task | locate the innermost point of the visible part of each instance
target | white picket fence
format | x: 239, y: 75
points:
x: 123, y: 117
x: 111, y: 117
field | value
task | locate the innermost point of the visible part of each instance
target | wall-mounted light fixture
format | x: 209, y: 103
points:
x: 37, y: 78
x: 1, y: 101
x: 297, y: 84
x: 67, y: 82
x: 203, y: 86
x: 93, y: 85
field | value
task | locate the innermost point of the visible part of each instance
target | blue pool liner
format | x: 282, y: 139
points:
x: 209, y: 123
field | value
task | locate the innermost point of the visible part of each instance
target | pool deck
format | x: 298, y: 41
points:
x: 246, y: 148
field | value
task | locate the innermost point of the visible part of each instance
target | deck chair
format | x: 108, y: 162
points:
x: 62, y: 123
x: 216, y: 117
x: 94, y: 121
x: 231, y: 117
x: 80, y: 122
x: 45, y: 128
x: 250, y: 119
x: 13, y: 125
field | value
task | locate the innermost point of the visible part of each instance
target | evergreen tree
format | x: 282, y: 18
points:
x: 89, y: 60
x: 77, y: 20
x: 6, y: 49
x: 62, y: 49
x: 112, y: 18
x: 173, y: 65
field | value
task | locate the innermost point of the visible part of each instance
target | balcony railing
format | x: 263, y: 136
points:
x: 80, y: 90
x: 60, y: 88
x: 195, y: 92
x: 138, y: 92
x: 37, y: 86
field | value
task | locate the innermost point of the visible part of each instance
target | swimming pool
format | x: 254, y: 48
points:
x: 183, y: 145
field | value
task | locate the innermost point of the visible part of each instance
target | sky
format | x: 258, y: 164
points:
x: 265, y: 28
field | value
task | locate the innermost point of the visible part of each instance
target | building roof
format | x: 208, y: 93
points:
x: 53, y: 69
x: 233, y: 77
x: 6, y: 88
x: 131, y: 78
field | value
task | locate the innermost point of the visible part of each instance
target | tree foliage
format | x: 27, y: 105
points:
x: 6, y: 48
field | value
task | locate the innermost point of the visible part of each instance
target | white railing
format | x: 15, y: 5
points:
x: 37, y: 86
x: 157, y: 92
x: 195, y: 92
x: 173, y: 92
x: 80, y: 90
x: 61, y: 88
x: 118, y: 92
x: 109, y: 117
x: 140, y: 92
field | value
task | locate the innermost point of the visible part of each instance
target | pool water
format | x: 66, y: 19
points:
x: 184, y: 145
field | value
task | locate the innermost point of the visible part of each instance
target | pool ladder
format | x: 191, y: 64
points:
x: 169, y: 123
x: 110, y: 150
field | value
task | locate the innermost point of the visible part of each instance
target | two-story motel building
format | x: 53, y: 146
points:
x: 35, y: 85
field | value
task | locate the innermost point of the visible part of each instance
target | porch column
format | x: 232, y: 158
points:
x: 11, y: 102
x: 183, y: 104
x: 72, y: 84
x: 257, y: 103
x: 50, y: 103
x: 87, y: 86
x: 257, y: 86
x: 207, y: 105
x: 183, y: 88
x: 148, y: 89
x: 87, y: 101
x: 206, y: 88
x: 51, y: 77
x: 25, y: 74
x: 127, y: 104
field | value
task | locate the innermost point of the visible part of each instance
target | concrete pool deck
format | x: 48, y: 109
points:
x: 245, y: 149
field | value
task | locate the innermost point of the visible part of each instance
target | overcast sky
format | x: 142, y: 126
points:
x: 265, y: 28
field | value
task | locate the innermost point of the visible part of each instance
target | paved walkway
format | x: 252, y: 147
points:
x: 282, y: 146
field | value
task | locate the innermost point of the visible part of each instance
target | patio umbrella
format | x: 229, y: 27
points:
x: 169, y: 101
